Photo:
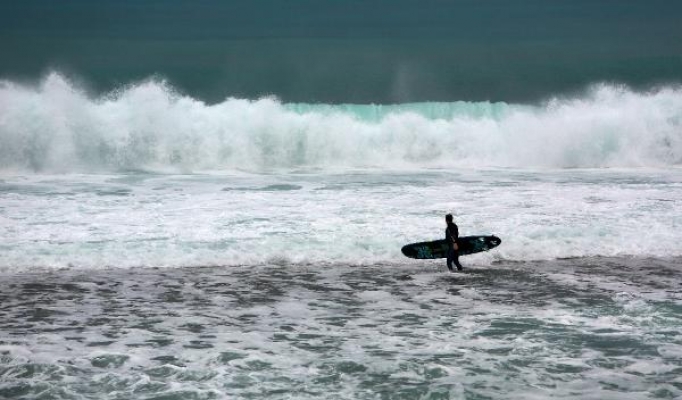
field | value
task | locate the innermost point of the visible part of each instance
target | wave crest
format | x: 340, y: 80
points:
x: 57, y: 127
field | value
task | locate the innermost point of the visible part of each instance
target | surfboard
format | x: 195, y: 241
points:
x: 439, y: 248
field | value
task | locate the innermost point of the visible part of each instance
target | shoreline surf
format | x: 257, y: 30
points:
x: 337, y: 332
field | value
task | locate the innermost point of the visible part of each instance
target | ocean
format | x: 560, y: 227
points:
x: 203, y: 200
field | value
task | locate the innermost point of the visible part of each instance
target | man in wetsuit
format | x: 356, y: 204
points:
x: 451, y: 236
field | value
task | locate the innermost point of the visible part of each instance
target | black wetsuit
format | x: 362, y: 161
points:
x: 452, y: 234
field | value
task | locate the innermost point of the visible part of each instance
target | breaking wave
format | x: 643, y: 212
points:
x: 56, y: 126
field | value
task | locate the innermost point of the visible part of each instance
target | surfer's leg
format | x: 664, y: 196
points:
x: 455, y: 258
x: 451, y: 257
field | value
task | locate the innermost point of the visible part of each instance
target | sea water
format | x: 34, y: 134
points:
x: 207, y: 200
x: 154, y: 246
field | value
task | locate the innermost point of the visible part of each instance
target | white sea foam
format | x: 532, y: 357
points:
x: 139, y: 220
x: 237, y: 332
x: 57, y: 127
x: 320, y: 184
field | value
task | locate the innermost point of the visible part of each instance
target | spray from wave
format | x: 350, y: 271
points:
x: 57, y: 127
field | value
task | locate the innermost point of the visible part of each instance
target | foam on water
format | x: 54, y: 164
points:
x: 359, y: 218
x: 56, y: 127
x: 510, y: 330
x: 307, y: 294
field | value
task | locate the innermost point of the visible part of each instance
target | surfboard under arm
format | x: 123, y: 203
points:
x: 439, y: 248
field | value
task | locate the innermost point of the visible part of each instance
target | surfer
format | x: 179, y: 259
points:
x: 451, y: 236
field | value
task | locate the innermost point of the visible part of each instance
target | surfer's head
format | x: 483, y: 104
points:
x: 448, y: 218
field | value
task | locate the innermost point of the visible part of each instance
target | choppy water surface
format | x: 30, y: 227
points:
x: 208, y: 201
x: 583, y: 328
x: 292, y: 285
x: 353, y: 217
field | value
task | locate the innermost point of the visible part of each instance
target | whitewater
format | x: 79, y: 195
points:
x: 145, y: 176
x: 55, y: 126
x: 156, y: 246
